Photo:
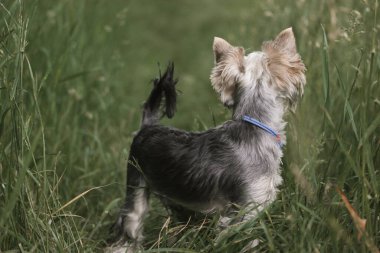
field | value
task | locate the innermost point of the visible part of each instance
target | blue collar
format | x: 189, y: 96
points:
x: 264, y: 127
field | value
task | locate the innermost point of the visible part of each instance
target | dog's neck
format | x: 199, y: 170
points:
x: 260, y: 102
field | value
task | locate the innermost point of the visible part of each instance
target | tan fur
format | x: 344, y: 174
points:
x: 229, y: 66
x: 285, y: 64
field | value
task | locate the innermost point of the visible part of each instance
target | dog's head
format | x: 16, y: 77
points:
x: 278, y: 65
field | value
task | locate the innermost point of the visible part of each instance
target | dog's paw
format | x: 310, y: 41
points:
x: 224, y: 222
x: 249, y: 248
x: 123, y: 248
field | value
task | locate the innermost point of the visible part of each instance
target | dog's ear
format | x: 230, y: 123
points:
x: 286, y: 42
x: 221, y: 48
x: 285, y: 64
x: 229, y: 67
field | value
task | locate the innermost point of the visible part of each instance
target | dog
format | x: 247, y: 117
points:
x: 237, y: 162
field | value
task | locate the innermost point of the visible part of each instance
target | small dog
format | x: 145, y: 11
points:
x: 237, y: 162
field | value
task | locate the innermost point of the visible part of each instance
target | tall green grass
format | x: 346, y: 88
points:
x: 73, y: 75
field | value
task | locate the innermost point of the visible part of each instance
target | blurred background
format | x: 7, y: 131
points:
x: 74, y: 75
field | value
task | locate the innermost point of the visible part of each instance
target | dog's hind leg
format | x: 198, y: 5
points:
x: 129, y: 225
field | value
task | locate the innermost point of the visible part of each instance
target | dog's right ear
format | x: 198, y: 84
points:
x: 285, y: 65
x: 228, y: 69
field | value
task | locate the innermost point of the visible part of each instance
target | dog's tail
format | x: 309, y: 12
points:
x: 163, y: 87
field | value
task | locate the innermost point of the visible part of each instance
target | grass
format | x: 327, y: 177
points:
x: 73, y: 76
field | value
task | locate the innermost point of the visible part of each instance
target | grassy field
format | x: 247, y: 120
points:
x: 74, y: 74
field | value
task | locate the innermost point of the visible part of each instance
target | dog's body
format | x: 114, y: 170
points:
x: 233, y: 163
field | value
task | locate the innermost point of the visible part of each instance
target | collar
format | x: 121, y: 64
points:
x: 264, y: 127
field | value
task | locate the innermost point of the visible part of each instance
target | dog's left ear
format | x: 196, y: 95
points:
x: 229, y: 67
x: 285, y: 65
x: 221, y: 48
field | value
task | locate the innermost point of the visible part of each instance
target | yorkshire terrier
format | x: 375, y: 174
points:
x: 237, y: 162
